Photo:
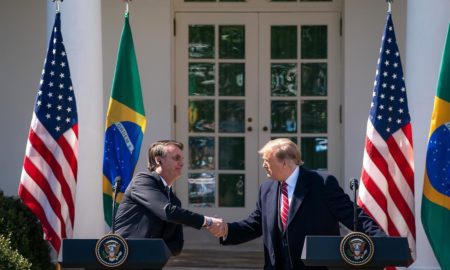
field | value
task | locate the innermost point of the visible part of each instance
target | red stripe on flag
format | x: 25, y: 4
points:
x: 48, y: 156
x: 391, y: 226
x: 75, y: 129
x: 407, y: 130
x: 402, y: 206
x: 394, y: 190
x: 397, y: 197
x: 374, y: 191
x: 69, y: 155
x: 43, y: 183
x: 379, y: 160
x: 381, y: 200
x: 401, y: 161
x: 39, y: 212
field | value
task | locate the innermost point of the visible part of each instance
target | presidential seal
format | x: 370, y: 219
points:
x: 111, y: 250
x: 357, y: 249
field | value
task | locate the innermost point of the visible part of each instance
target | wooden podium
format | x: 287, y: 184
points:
x: 325, y: 251
x: 142, y: 254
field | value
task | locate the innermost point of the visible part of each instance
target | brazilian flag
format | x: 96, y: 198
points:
x: 436, y: 187
x: 125, y: 122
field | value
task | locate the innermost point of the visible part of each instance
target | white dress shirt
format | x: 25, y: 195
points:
x: 291, y: 181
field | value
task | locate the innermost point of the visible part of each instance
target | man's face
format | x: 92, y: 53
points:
x: 273, y: 166
x: 172, y: 163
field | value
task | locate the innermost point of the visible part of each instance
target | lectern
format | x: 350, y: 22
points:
x: 325, y: 251
x: 142, y: 254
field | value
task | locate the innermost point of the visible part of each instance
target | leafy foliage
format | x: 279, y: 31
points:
x: 25, y: 232
x: 11, y: 259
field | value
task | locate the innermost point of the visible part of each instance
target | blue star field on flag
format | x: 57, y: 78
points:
x: 55, y: 102
x: 389, y: 108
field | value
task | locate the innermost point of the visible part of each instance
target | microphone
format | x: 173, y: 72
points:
x: 116, y: 188
x: 354, y: 183
x: 117, y: 182
x: 354, y: 186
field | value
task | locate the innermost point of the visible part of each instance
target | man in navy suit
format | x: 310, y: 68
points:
x: 311, y: 204
x: 149, y: 208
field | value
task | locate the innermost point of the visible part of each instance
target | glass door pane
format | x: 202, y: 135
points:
x: 215, y: 112
x: 300, y: 98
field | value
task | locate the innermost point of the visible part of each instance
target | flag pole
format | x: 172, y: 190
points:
x: 58, y: 2
x: 389, y: 5
x: 126, y: 5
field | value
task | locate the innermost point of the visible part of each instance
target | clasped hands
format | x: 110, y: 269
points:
x: 218, y: 227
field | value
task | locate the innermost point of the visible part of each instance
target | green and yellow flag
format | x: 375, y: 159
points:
x: 436, y: 187
x: 125, y: 122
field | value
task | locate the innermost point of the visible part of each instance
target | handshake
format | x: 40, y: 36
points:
x: 216, y: 226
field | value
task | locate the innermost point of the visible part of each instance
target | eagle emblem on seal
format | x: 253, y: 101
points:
x: 111, y: 250
x: 357, y: 248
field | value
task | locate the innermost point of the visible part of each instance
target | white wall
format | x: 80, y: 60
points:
x: 23, y: 48
x: 427, y: 27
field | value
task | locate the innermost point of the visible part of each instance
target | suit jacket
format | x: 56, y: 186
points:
x: 146, y: 211
x: 317, y: 206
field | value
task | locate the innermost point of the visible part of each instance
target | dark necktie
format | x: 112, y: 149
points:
x: 168, y: 193
x: 284, y: 205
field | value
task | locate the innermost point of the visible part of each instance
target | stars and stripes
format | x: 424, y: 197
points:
x: 387, y: 179
x: 48, y: 181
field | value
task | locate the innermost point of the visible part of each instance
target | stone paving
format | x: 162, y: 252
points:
x: 191, y: 259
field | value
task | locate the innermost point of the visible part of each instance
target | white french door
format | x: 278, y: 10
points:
x: 217, y: 111
x: 299, y: 86
x: 245, y: 78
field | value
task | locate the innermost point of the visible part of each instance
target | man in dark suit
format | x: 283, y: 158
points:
x: 149, y: 208
x: 296, y: 202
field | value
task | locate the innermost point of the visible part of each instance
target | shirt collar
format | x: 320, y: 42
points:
x: 291, y: 181
x: 164, y: 182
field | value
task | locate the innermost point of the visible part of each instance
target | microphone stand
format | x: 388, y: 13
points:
x: 354, y: 186
x: 116, y: 187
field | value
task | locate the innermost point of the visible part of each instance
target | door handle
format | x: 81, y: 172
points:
x: 265, y: 128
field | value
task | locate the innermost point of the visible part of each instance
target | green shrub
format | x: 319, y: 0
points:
x: 25, y: 232
x: 11, y: 259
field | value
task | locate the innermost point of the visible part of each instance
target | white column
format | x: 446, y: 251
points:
x: 82, y: 34
x: 427, y: 24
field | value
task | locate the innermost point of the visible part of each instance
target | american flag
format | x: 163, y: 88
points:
x: 387, y: 178
x: 48, y: 181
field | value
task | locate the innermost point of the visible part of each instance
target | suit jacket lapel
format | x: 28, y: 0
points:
x: 160, y: 182
x: 271, y: 202
x: 300, y: 191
